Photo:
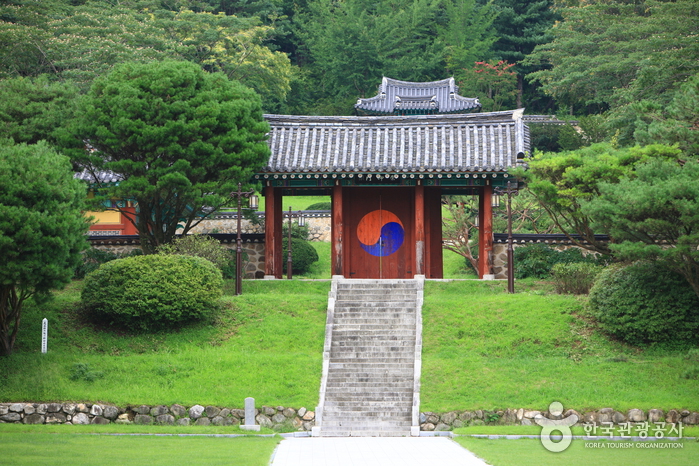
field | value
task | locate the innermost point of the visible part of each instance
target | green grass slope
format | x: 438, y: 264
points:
x: 266, y: 343
x: 486, y: 349
x: 482, y: 349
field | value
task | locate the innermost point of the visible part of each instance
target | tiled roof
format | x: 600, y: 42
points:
x: 409, y: 144
x: 98, y: 176
x: 404, y: 97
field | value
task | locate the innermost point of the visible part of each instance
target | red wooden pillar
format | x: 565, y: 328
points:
x: 485, y: 231
x: 419, y: 230
x: 273, y: 232
x: 337, y: 232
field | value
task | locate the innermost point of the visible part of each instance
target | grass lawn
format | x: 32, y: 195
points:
x: 530, y: 452
x: 486, y: 349
x: 296, y: 202
x: 266, y: 343
x: 35, y: 449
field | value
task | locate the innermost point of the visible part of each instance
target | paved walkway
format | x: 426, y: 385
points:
x: 373, y: 451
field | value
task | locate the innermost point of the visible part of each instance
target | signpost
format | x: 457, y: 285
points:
x: 44, y: 335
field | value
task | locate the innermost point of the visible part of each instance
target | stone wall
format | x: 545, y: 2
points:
x: 447, y: 421
x: 253, y: 268
x: 277, y: 418
x: 558, y: 242
x: 318, y: 222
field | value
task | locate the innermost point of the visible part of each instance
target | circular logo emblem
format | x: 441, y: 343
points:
x: 380, y: 233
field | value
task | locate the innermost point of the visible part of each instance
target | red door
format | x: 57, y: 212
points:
x: 379, y: 232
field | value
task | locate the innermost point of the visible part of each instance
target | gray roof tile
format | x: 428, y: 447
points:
x: 441, y: 143
x: 417, y: 97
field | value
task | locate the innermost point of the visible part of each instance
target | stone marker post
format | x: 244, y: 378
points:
x: 44, y: 335
x: 250, y: 415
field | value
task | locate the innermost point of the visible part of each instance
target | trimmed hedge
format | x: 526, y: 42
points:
x: 303, y: 255
x: 153, y: 291
x: 537, y: 260
x: 645, y: 303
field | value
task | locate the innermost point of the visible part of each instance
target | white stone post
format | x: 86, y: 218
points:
x: 250, y: 415
x: 44, y: 335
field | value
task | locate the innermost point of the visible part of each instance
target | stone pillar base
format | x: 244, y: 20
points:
x: 255, y: 428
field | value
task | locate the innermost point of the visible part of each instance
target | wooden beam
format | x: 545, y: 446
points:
x: 420, y: 230
x: 485, y: 230
x: 273, y: 232
x: 337, y: 232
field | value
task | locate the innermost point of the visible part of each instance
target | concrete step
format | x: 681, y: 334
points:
x: 370, y: 378
x: 378, y: 426
x: 371, y: 366
x: 377, y: 433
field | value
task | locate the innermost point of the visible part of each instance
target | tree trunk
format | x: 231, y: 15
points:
x: 10, y: 312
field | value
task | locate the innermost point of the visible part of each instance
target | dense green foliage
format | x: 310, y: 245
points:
x: 654, y: 215
x: 180, y: 138
x: 563, y: 182
x: 32, y: 109
x: 93, y: 258
x: 207, y: 247
x: 153, y: 292
x: 204, y: 246
x: 645, y: 303
x: 42, y: 230
x: 80, y: 41
x: 619, y: 56
x: 537, y: 260
x: 303, y: 255
x: 574, y: 277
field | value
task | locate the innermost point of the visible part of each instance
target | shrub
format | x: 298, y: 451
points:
x: 297, y: 231
x: 320, y: 206
x: 93, y: 258
x: 536, y: 260
x: 645, y: 303
x: 574, y: 277
x: 303, y: 255
x: 207, y: 247
x: 153, y: 291
x: 198, y: 246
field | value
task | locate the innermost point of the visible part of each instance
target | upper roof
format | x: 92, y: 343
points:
x: 464, y: 143
x: 410, y: 98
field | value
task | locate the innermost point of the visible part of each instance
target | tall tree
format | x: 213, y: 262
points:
x: 608, y: 55
x: 654, y: 215
x: 676, y: 123
x: 32, y: 109
x: 84, y: 41
x: 563, y: 182
x: 179, y: 139
x: 42, y: 229
x: 521, y: 25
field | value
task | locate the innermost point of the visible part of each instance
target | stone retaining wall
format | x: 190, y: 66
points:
x: 285, y: 419
x: 454, y: 419
x: 253, y: 268
x: 318, y: 223
x: 278, y: 418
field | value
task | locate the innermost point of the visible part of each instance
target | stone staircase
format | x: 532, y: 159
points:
x: 371, y: 361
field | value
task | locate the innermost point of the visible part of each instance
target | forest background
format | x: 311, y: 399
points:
x: 617, y: 64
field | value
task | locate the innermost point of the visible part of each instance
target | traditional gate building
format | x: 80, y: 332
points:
x: 386, y: 170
